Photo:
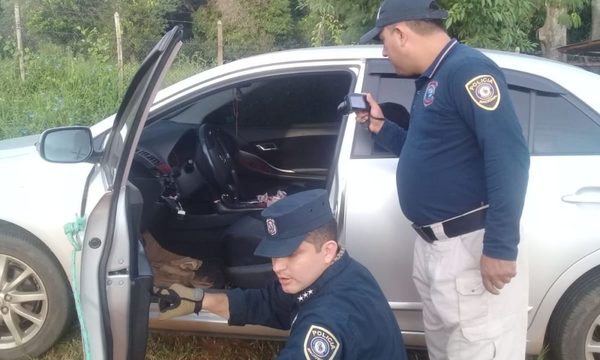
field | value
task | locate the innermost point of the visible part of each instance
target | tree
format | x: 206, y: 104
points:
x: 595, y: 19
x: 495, y: 24
x: 560, y: 15
x: 249, y: 26
x: 337, y: 22
x: 81, y: 24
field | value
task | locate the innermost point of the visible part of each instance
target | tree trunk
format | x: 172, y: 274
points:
x: 553, y: 34
x: 595, y: 19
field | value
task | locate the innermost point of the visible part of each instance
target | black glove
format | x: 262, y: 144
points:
x: 179, y: 300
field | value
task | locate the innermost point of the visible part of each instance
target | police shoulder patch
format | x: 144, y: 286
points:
x: 320, y: 344
x: 484, y: 91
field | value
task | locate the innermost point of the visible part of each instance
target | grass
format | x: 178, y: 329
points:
x: 176, y: 346
x: 61, y: 89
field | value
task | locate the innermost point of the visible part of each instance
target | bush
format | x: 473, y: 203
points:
x: 62, y: 89
x: 58, y: 90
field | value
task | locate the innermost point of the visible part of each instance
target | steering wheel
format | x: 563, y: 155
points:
x: 216, y: 158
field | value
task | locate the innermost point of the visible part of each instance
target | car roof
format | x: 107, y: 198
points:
x: 575, y: 80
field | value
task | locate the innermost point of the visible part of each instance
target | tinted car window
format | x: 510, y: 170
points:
x: 562, y: 128
x: 521, y: 102
x: 285, y: 101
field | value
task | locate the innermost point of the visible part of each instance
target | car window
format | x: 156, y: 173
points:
x: 521, y: 98
x: 562, y: 128
x: 284, y: 101
x: 553, y: 121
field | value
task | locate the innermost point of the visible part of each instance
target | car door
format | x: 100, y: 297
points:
x: 116, y: 281
x: 563, y: 195
x: 377, y: 233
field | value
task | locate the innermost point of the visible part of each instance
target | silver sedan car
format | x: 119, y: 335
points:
x: 183, y: 167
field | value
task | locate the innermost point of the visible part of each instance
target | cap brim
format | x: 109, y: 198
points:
x: 370, y: 36
x: 278, y: 248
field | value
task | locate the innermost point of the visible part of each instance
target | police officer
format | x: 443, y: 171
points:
x: 331, y: 304
x: 461, y: 177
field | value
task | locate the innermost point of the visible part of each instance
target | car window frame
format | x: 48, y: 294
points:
x: 378, y: 68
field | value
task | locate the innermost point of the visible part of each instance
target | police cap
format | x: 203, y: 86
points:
x: 393, y: 11
x: 289, y: 220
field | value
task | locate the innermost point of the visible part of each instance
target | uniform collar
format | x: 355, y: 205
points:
x: 340, y: 263
x: 430, y: 71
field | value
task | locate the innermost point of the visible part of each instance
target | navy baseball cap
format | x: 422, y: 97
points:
x: 393, y: 11
x: 289, y: 220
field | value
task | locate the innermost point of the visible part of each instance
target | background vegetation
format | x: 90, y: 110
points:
x: 71, y: 74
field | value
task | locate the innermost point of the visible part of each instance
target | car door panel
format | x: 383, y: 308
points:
x: 113, y: 270
x: 298, y: 148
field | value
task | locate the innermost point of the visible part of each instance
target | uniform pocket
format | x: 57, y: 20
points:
x: 473, y: 303
x: 477, y: 323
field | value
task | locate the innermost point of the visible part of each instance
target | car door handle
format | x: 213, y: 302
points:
x: 267, y: 147
x: 585, y: 195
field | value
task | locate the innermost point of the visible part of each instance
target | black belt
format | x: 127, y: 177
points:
x: 457, y: 226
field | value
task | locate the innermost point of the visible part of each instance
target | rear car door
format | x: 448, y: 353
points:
x: 116, y: 280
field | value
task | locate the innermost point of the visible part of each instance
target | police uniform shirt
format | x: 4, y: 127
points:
x: 464, y: 148
x: 343, y: 315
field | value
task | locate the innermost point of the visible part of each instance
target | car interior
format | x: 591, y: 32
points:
x: 208, y: 165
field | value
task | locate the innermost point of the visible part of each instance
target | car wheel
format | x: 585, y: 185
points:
x: 35, y: 300
x: 574, y: 331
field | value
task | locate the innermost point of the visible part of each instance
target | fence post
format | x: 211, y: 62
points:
x: 219, y: 43
x: 119, y: 51
x: 19, y: 42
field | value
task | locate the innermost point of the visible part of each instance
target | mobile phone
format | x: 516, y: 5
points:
x: 357, y: 102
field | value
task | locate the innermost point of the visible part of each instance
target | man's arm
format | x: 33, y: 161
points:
x: 387, y: 133
x: 217, y: 303
x: 483, y: 101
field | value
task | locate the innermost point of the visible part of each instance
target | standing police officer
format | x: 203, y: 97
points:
x: 461, y: 178
x: 331, y: 304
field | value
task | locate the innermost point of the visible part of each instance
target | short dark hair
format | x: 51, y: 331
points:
x: 426, y: 26
x: 322, y: 234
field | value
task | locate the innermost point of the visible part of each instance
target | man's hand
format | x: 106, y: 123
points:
x: 179, y: 300
x: 496, y: 273
x: 374, y: 119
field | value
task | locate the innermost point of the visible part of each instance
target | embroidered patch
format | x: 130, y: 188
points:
x: 429, y: 93
x: 320, y: 344
x: 484, y: 91
x: 271, y: 227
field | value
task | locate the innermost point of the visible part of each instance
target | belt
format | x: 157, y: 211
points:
x: 456, y: 226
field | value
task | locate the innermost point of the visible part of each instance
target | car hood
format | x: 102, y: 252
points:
x: 18, y: 146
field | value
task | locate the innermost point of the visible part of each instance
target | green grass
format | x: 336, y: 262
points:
x: 60, y: 89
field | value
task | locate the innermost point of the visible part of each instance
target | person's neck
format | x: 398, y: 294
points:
x: 435, y: 43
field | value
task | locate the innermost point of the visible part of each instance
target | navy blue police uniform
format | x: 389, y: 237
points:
x: 464, y: 151
x: 342, y: 315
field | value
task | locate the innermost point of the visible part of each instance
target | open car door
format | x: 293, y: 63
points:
x: 116, y: 278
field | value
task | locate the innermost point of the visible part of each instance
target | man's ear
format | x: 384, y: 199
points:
x: 331, y: 249
x: 401, y: 32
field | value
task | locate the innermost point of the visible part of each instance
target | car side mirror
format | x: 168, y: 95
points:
x: 71, y: 144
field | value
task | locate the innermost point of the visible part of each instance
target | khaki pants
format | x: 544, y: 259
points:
x: 463, y: 321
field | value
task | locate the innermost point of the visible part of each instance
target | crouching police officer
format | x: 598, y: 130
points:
x: 331, y: 303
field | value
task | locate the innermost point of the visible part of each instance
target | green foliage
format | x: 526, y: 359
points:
x: 249, y: 26
x: 59, y: 20
x: 76, y: 22
x: 65, y: 89
x: 337, y: 22
x: 142, y: 23
x: 496, y: 24
x: 94, y: 44
x: 324, y: 21
x: 58, y: 90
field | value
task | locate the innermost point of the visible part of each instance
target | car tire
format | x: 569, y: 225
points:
x: 43, y: 279
x: 575, y: 324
